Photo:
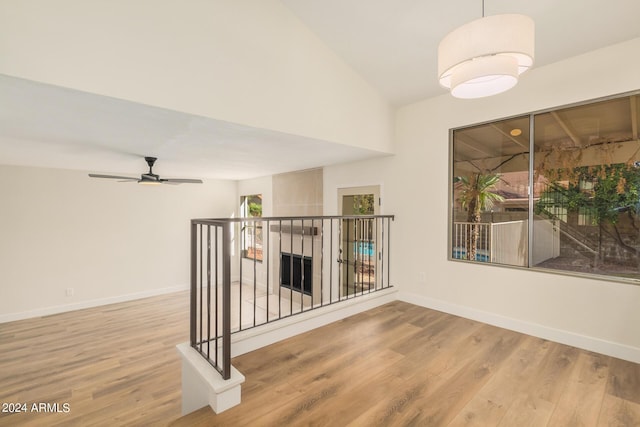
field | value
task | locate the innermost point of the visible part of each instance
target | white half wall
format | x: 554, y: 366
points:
x: 595, y: 314
x: 250, y: 62
x: 106, y: 241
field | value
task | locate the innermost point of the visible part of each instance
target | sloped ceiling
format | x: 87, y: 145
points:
x: 391, y: 43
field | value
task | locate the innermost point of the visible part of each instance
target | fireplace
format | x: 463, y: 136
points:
x: 300, y: 283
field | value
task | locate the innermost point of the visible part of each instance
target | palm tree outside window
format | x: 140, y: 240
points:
x: 557, y: 189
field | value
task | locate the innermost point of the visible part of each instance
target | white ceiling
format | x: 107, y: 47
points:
x: 48, y: 126
x: 391, y: 43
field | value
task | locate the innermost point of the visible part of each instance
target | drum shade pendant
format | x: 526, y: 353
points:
x: 485, y: 57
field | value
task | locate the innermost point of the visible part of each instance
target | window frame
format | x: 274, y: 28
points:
x: 451, y: 202
x: 249, y: 229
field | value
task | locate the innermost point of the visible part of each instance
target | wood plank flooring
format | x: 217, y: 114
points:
x: 403, y: 365
x: 396, y: 365
x: 114, y: 365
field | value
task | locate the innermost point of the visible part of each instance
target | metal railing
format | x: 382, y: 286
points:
x: 248, y: 272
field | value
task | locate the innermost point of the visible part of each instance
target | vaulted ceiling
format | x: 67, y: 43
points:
x: 392, y: 44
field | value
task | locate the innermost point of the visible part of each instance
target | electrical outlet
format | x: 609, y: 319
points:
x: 422, y: 277
x: 69, y: 292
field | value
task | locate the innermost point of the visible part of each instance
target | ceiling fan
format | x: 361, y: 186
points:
x: 148, y: 178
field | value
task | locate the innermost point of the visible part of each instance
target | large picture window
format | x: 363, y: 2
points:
x: 573, y: 206
x: 251, y: 236
x: 490, y: 184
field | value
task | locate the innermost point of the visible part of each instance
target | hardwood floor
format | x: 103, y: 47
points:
x: 398, y: 364
x: 113, y: 365
x: 403, y: 365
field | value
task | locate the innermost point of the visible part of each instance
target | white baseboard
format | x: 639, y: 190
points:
x: 597, y: 345
x: 252, y: 339
x: 46, y: 311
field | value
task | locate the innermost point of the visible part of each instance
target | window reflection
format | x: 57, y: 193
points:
x: 588, y: 185
x: 490, y: 187
x: 585, y: 198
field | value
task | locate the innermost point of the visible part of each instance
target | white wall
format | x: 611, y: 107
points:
x: 250, y: 62
x: 109, y: 241
x: 595, y: 314
x: 298, y: 193
x: 289, y: 194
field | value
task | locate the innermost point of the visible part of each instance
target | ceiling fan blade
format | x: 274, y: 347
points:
x: 181, y: 181
x: 149, y: 177
x: 126, y: 178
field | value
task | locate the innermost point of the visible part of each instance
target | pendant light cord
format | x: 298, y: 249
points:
x: 483, y: 8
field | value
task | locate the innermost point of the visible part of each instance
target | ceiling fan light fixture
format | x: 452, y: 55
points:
x: 148, y: 182
x: 485, y: 57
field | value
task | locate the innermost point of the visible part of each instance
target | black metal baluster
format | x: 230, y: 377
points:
x: 313, y: 238
x: 348, y: 250
x: 341, y: 258
x: 255, y: 281
x: 331, y: 260
x: 208, y: 290
x: 200, y: 295
x: 361, y: 254
x: 356, y: 237
x: 301, y: 266
x: 366, y: 250
x: 268, y: 251
x: 242, y: 249
x: 280, y: 270
x: 291, y: 271
x: 217, y: 310
x: 382, y: 256
x: 389, y: 253
x: 375, y: 251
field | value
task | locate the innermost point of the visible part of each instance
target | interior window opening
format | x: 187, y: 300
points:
x: 251, y: 234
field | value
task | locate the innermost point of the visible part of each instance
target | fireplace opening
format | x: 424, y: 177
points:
x: 300, y: 283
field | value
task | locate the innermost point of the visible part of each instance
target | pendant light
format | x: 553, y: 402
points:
x: 485, y: 57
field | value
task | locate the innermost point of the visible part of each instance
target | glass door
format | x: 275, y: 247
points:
x: 358, y: 237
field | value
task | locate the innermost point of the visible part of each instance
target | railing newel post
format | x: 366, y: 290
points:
x: 226, y: 302
x: 194, y: 280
